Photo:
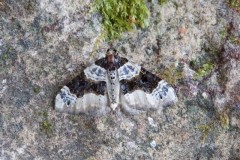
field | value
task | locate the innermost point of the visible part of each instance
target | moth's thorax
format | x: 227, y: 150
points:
x: 113, y: 86
x: 112, y: 59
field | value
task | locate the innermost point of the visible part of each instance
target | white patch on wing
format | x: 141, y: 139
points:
x: 139, y: 101
x: 93, y: 104
x: 128, y: 71
x: 90, y: 103
x: 65, y: 100
x: 95, y: 72
x: 164, y: 93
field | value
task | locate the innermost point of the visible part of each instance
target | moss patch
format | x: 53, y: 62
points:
x: 226, y: 35
x: 224, y: 120
x: 221, y: 119
x: 46, y: 125
x: 36, y: 90
x: 162, y: 1
x: 173, y: 74
x: 204, y: 70
x: 235, y: 4
x: 205, y: 129
x: 235, y: 40
x: 203, y: 65
x: 121, y: 16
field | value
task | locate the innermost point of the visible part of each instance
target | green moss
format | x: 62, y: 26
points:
x: 204, y: 64
x: 162, y: 1
x: 235, y: 4
x: 224, y: 34
x: 221, y: 118
x: 235, y: 40
x: 224, y: 120
x: 4, y: 57
x: 46, y: 127
x: 205, y: 129
x: 121, y: 16
x: 173, y: 74
x: 205, y: 70
x: 36, y: 90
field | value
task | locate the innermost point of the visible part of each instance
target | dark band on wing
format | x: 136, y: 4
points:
x: 104, y: 63
x: 80, y: 86
x: 145, y: 81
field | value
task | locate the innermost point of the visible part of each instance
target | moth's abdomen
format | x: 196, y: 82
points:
x: 113, y: 87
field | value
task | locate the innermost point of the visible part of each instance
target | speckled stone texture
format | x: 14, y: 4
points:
x: 45, y: 43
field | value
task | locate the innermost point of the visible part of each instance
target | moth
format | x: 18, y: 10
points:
x: 113, y: 83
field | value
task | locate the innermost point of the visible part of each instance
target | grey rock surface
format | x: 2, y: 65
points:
x: 192, y: 44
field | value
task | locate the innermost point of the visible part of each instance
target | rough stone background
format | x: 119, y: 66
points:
x: 45, y: 43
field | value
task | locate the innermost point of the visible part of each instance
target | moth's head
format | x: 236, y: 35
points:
x: 112, y: 56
